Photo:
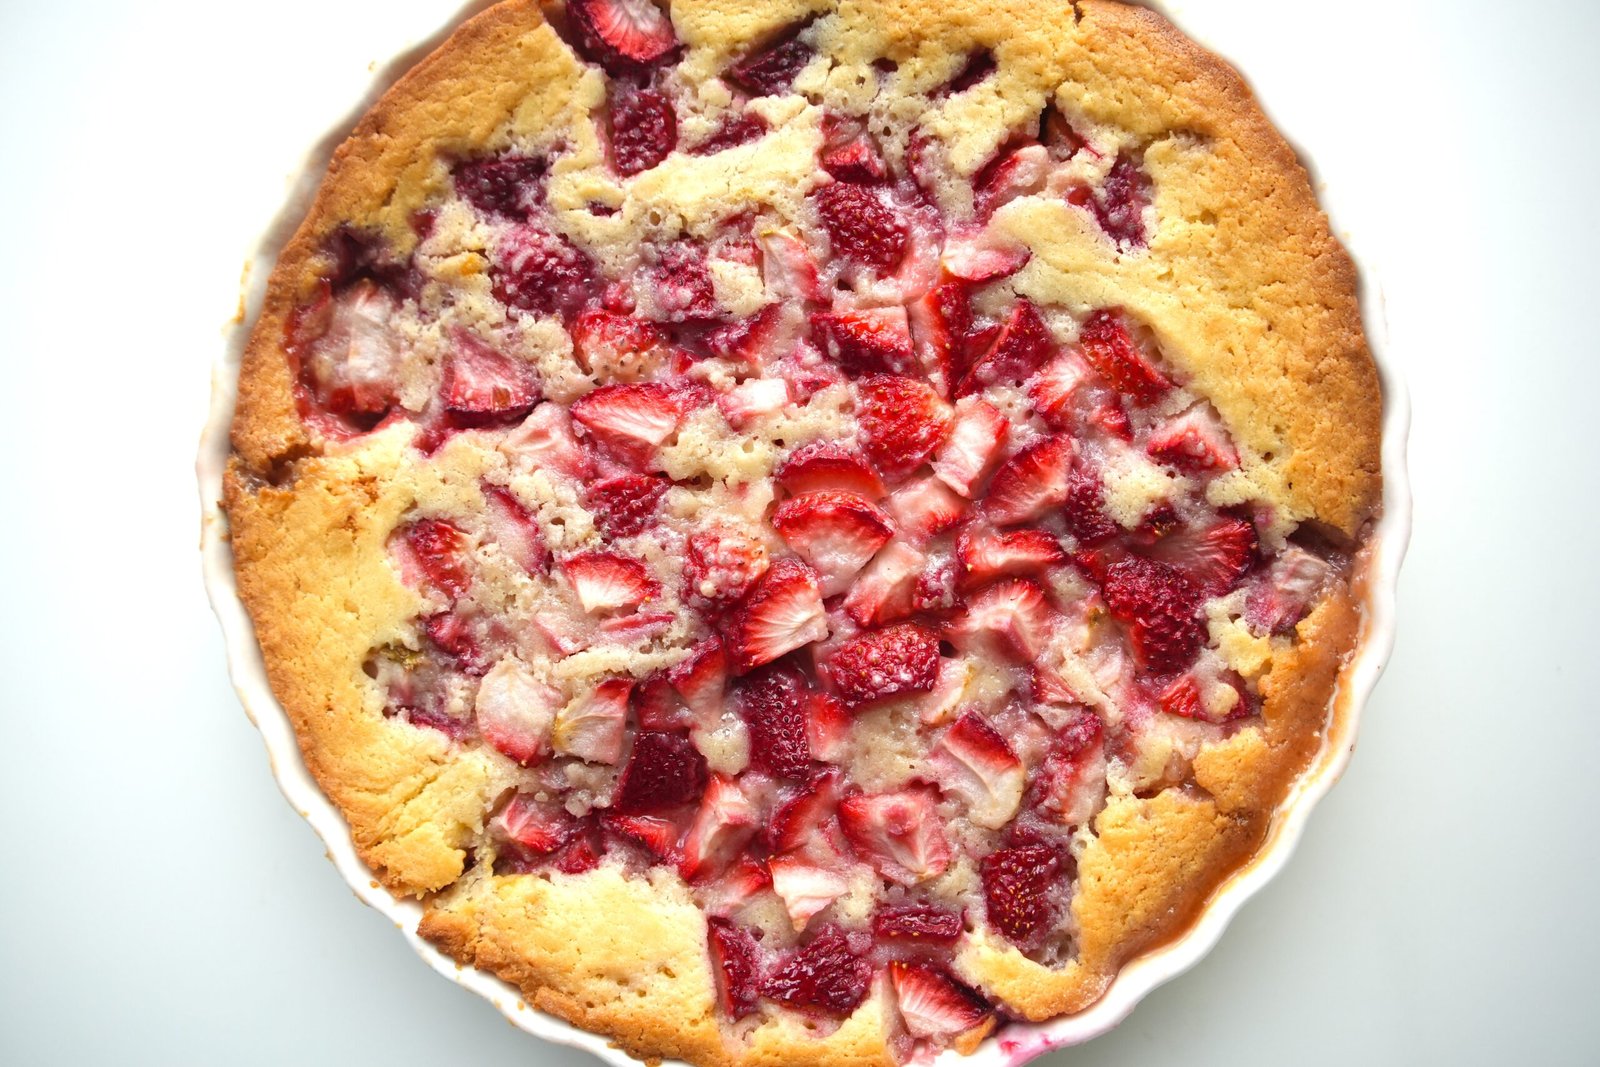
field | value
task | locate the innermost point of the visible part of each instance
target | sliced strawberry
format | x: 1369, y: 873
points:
x: 515, y: 530
x: 634, y: 417
x: 1023, y: 345
x: 948, y: 689
x: 1059, y: 138
x: 1010, y: 174
x: 828, y: 465
x: 782, y: 614
x: 877, y: 664
x: 855, y: 161
x: 1107, y: 344
x: 932, y: 1004
x: 773, y: 703
x: 903, y: 422
x: 917, y: 923
x: 1055, y: 389
x: 751, y: 400
x: 655, y: 835
x: 975, y: 441
x: 352, y: 366
x: 1119, y: 207
x: 544, y: 442
x: 828, y: 974
x: 438, y: 550
x: 534, y: 825
x: 1020, y: 889
x: 535, y: 270
x: 623, y: 33
x: 1073, y: 778
x: 729, y: 891
x: 1214, y: 557
x: 461, y: 637
x: 882, y: 592
x: 898, y: 833
x: 1277, y: 603
x: 754, y: 341
x: 591, y: 727
x: 924, y: 508
x: 644, y: 130
x: 732, y: 132
x: 981, y: 257
x: 701, y: 679
x: 580, y: 856
x: 726, y: 820
x: 827, y: 727
x: 861, y: 226
x: 617, y: 346
x: 980, y: 768
x: 682, y: 284
x: 515, y: 711
x: 1161, y: 609
x: 722, y: 565
x: 871, y: 341
x: 803, y: 814
x: 511, y: 186
x: 986, y: 554
x: 1194, y: 442
x: 635, y: 629
x: 663, y: 771
x: 1182, y: 698
x: 805, y: 887
x: 837, y: 533
x: 1009, y: 620
x: 935, y: 590
x: 738, y: 966
x: 657, y: 707
x: 772, y: 70
x: 1084, y: 509
x: 609, y: 582
x: 941, y: 325
x: 481, y: 387
x: 626, y: 504
x: 1031, y: 482
x: 789, y: 268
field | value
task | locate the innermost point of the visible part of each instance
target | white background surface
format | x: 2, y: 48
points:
x: 163, y: 905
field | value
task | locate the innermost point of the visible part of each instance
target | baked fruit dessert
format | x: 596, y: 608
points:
x: 807, y: 531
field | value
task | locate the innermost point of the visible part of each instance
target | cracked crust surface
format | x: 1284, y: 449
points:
x: 1250, y: 295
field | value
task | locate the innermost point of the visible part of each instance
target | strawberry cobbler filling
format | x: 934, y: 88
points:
x: 865, y: 698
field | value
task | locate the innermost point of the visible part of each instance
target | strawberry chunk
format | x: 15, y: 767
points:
x: 985, y: 555
x: 1084, y: 510
x: 752, y: 400
x: 1193, y: 442
x: 1119, y: 207
x: 1023, y: 345
x: 731, y: 132
x: 515, y: 711
x: 917, y: 923
x: 783, y: 613
x: 635, y: 418
x: 1073, y: 779
x: 726, y: 820
x: 738, y: 966
x: 829, y: 466
x: 932, y: 1004
x: 1010, y: 620
x: 623, y: 34
x: 924, y: 508
x: 898, y: 833
x: 903, y: 422
x: 438, y: 550
x: 772, y: 704
x: 803, y: 814
x: 591, y: 727
x: 1031, y: 483
x: 626, y: 504
x: 351, y: 368
x: 535, y: 270
x: 1161, y: 609
x: 617, y: 346
x: 722, y: 565
x: 701, y: 679
x: 861, y: 226
x: 1277, y: 603
x: 827, y: 974
x: 857, y: 161
x: 461, y: 637
x: 882, y: 592
x: 1010, y: 174
x: 872, y: 341
x: 980, y: 768
x: 877, y: 664
x: 975, y: 441
x: 545, y: 442
x: 609, y: 582
x: 837, y: 533
x: 754, y: 341
x: 789, y: 268
x: 481, y: 387
x: 1214, y: 557
x: 1109, y: 347
x: 533, y: 826
x: 982, y: 257
x: 805, y: 887
x: 644, y: 131
x: 663, y: 771
x: 773, y: 69
x: 509, y: 186
x: 655, y: 835
x: 515, y: 530
x: 1020, y: 887
x: 682, y: 285
x: 827, y: 727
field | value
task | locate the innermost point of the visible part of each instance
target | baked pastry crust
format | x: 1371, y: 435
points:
x: 1254, y: 303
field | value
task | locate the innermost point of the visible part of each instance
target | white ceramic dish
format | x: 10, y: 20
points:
x: 1014, y: 1045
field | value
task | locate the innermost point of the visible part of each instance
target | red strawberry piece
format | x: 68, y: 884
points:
x: 726, y: 820
x: 754, y: 399
x: 1059, y: 138
x: 1021, y: 348
x: 935, y: 590
x: 1073, y: 778
x: 591, y: 727
x: 1119, y: 207
x: 348, y: 353
x: 608, y: 582
x: 805, y: 887
x: 535, y: 270
x: 980, y: 768
x: 701, y: 679
x: 772, y: 70
x: 623, y: 33
x: 626, y: 504
x: 1019, y: 887
x: 755, y: 341
x: 982, y: 257
x: 986, y: 555
x: 835, y: 532
x: 579, y: 857
x: 657, y: 707
x: 1009, y: 620
x: 827, y: 465
x: 978, y: 67
x: 898, y: 833
x: 637, y: 628
x: 1048, y: 687
x: 663, y: 771
x: 917, y: 923
x: 655, y: 835
x: 453, y: 632
x: 849, y: 152
x: 1182, y: 697
x: 827, y: 974
x: 876, y: 664
x: 1031, y: 483
x: 925, y: 508
x: 1056, y: 388
x: 515, y: 530
x: 932, y: 1004
x: 941, y: 324
x: 644, y: 130
x: 738, y: 966
x: 802, y: 815
x: 515, y: 711
x: 789, y: 268
x: 438, y: 549
x: 948, y: 689
x: 535, y: 826
x: 544, y: 442
x: 638, y: 418
x: 1084, y: 509
x: 903, y: 422
x: 1277, y: 603
x: 773, y: 706
x: 1010, y: 174
x: 872, y: 341
x: 722, y: 565
x: 1214, y: 557
x: 861, y: 226
x: 732, y: 132
x: 504, y: 185
x: 682, y: 284
x: 783, y: 613
x: 1161, y: 609
x: 1194, y: 442
x: 827, y: 727
x: 1109, y: 347
x: 882, y: 592
x: 974, y: 444
x: 613, y: 344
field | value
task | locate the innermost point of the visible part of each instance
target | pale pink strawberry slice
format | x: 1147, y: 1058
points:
x: 985, y: 555
x: 828, y: 465
x: 756, y: 341
x: 1215, y: 557
x: 722, y: 565
x: 1278, y: 602
x: 482, y: 387
x: 591, y: 727
x: 924, y: 508
x: 877, y: 664
x: 917, y: 923
x: 805, y: 887
x: 783, y: 613
x: 536, y: 826
x: 1109, y: 347
x: 1010, y: 174
x: 545, y: 442
x: 657, y: 707
x: 980, y: 767
x: 903, y: 422
x: 701, y: 679
x: 657, y: 836
x: 726, y: 820
x: 933, y: 1005
x: 1031, y: 482
x: 803, y: 814
x: 1055, y: 389
x: 1194, y: 442
x: 827, y: 727
x: 975, y: 442
x: 1073, y: 779
x: 635, y: 629
x: 463, y: 636
x: 941, y: 326
x: 515, y: 530
x: 752, y: 400
x: 608, y: 581
x: 437, y: 550
x: 870, y: 341
x: 515, y: 711
x: 1021, y: 348
x: 622, y: 34
x: 981, y: 256
x: 737, y: 959
x: 935, y: 589
x: 1010, y: 620
x: 789, y: 268
x: 849, y: 152
x: 663, y: 771
x: 945, y: 696
x: 882, y: 592
x: 898, y: 833
x: 638, y: 418
x: 352, y: 367
x: 835, y: 532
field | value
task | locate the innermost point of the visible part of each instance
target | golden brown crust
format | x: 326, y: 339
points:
x: 1252, y: 298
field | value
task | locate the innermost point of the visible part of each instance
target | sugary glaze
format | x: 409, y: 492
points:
x: 767, y: 531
